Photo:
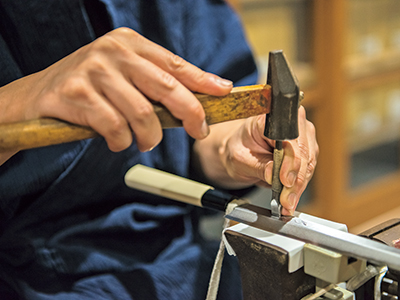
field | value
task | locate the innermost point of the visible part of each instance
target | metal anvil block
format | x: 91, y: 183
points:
x: 269, y: 271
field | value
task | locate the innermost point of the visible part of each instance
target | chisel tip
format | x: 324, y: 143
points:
x: 276, y: 208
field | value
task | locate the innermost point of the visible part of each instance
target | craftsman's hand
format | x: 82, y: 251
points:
x: 298, y: 166
x: 106, y: 85
x: 245, y: 157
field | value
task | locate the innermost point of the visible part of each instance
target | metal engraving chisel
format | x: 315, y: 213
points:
x: 282, y: 122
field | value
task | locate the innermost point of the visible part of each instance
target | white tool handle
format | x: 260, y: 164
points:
x: 166, y: 185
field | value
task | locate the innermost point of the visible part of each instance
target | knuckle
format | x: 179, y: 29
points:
x: 75, y: 86
x: 109, y: 44
x: 96, y: 65
x: 301, y: 179
x: 123, y: 31
x: 175, y: 63
x: 312, y: 164
x: 196, y: 110
x: 144, y: 111
x: 117, y: 126
x: 310, y: 168
x: 199, y: 76
x: 102, y: 43
x: 303, y: 151
x: 167, y: 81
x: 301, y: 159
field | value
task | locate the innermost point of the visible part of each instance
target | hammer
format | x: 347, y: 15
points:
x: 282, y: 122
x: 240, y: 103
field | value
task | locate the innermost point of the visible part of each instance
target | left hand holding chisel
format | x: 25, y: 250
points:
x: 247, y: 156
x: 299, y: 162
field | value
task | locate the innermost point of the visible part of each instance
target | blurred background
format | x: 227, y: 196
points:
x: 346, y: 56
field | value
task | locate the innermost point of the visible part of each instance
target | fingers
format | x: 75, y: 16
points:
x: 299, y: 164
x: 137, y: 110
x: 192, y: 77
x: 161, y: 86
x: 106, y: 85
x: 189, y: 75
x: 162, y: 76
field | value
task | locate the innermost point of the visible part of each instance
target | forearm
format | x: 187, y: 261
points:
x: 13, y: 107
x: 17, y: 99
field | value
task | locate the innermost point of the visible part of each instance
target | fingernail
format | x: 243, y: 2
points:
x: 223, y: 82
x: 148, y: 150
x: 205, y: 129
x: 292, y: 200
x: 292, y: 178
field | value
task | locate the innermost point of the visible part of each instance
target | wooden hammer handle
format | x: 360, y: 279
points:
x: 241, y: 102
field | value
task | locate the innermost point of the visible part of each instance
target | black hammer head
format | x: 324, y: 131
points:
x: 281, y: 123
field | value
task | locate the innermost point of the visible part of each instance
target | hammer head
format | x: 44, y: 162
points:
x: 281, y: 123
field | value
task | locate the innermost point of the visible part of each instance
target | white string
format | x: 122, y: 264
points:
x: 213, y: 285
x: 216, y: 272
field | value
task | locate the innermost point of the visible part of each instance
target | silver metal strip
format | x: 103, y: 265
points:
x: 317, y: 234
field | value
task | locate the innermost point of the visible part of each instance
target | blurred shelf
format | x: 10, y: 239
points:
x: 374, y: 80
x: 386, y: 134
x: 374, y: 163
x: 360, y: 66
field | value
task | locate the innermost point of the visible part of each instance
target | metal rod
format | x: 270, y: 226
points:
x: 277, y: 186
